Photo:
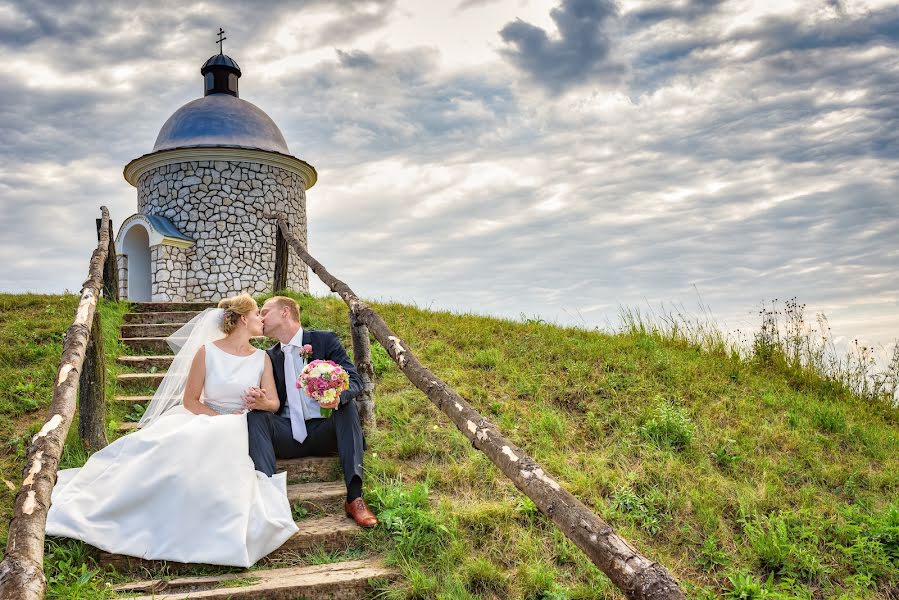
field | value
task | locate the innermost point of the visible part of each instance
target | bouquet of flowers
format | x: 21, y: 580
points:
x: 324, y: 380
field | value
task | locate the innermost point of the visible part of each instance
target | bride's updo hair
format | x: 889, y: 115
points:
x: 234, y: 307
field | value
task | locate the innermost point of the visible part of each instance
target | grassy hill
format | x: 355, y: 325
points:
x: 746, y: 476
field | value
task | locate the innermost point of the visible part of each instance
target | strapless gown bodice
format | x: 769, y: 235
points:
x: 227, y: 376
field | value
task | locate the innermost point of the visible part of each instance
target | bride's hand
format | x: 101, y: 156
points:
x: 254, y: 398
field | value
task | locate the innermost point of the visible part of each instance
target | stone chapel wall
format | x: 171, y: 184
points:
x: 220, y: 204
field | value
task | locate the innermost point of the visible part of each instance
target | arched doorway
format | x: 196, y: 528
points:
x: 136, y: 246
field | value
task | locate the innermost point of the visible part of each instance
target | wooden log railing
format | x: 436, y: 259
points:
x: 636, y: 576
x: 110, y: 266
x: 21, y: 572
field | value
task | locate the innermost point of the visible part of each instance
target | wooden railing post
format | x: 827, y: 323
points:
x: 110, y: 267
x: 635, y: 575
x: 22, y: 570
x: 281, y: 256
x: 365, y: 401
x: 92, y: 392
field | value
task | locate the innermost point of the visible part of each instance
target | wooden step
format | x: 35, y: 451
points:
x: 159, y: 345
x: 147, y: 344
x: 159, y: 317
x: 312, y: 468
x: 163, y: 330
x: 132, y: 400
x: 139, y: 380
x: 144, y: 307
x: 328, y: 533
x: 318, y: 496
x: 348, y: 580
x: 146, y: 362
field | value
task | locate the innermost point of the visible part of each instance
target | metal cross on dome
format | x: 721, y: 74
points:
x: 221, y: 39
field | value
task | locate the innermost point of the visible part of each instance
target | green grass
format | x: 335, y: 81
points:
x: 745, y: 474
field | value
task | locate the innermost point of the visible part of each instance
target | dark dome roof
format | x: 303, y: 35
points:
x: 221, y: 120
x: 220, y: 60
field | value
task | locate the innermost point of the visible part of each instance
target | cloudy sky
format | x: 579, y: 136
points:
x: 559, y: 158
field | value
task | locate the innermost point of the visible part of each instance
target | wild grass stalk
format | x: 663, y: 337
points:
x: 786, y: 341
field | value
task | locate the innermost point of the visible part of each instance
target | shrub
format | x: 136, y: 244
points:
x: 829, y: 420
x: 484, y: 577
x: 784, y: 544
x: 668, y: 427
x: 405, y: 515
x: 380, y: 360
x: 644, y: 510
x: 711, y: 556
x: 486, y: 358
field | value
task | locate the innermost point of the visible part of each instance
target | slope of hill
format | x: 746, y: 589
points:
x: 744, y: 479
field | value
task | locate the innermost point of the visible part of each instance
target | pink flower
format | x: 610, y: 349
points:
x: 306, y: 350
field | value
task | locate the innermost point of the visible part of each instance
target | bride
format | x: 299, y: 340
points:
x: 183, y: 487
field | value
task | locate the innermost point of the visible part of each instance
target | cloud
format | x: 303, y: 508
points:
x: 355, y: 59
x: 752, y: 161
x: 690, y: 11
x: 581, y: 52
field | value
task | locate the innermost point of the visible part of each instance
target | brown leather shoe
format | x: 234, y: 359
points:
x: 359, y: 511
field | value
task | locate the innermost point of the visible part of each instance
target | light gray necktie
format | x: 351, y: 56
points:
x: 294, y: 401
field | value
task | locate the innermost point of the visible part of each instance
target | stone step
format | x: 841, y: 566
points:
x: 348, y: 580
x: 159, y: 317
x: 144, y: 330
x: 147, y: 344
x: 129, y: 381
x: 146, y: 362
x: 144, y: 307
x: 328, y: 533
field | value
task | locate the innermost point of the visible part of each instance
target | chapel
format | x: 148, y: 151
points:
x: 218, y: 166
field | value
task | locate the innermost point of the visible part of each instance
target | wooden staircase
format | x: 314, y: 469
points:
x: 315, y: 484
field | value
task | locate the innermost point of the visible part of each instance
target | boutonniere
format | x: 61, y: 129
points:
x: 306, y: 351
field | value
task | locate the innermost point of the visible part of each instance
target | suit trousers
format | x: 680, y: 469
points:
x: 270, y: 438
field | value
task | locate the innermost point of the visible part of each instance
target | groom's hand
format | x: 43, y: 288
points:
x: 332, y: 404
x: 254, y: 399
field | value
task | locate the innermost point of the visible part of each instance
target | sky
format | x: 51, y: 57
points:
x: 556, y: 160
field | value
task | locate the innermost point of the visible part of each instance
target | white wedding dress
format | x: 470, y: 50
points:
x: 183, y: 488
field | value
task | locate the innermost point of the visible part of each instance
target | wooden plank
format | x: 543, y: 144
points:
x: 146, y: 362
x: 327, y: 533
x: 159, y: 317
x: 150, y: 330
x: 171, y: 306
x: 147, y: 344
x: 133, y: 399
x: 318, y: 496
x: 347, y: 580
x: 139, y: 380
x: 311, y: 468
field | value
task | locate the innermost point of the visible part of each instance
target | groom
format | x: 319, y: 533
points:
x: 298, y: 429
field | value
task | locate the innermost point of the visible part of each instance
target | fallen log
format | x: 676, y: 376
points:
x: 21, y: 572
x: 636, y: 576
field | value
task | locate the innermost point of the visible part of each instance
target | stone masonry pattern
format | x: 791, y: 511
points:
x: 220, y: 204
